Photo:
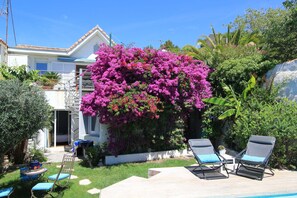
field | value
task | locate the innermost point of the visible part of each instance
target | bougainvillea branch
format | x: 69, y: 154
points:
x: 132, y: 83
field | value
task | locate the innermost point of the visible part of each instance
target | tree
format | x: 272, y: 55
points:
x: 23, y: 110
x: 218, y: 47
x: 169, y: 46
x: 136, y: 88
x: 232, y: 102
x: 277, y: 30
x: 281, y: 36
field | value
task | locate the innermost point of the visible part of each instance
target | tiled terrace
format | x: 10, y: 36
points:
x: 179, y: 182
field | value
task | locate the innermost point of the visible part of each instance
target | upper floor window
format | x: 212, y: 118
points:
x: 42, y: 67
x: 95, y: 48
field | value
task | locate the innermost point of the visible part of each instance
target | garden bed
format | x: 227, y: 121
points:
x: 142, y: 157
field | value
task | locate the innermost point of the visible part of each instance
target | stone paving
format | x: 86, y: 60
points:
x: 94, y: 191
x: 84, y: 182
x: 179, y: 182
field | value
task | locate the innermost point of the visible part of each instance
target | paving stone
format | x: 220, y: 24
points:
x: 94, y: 191
x: 73, y: 177
x: 84, y: 182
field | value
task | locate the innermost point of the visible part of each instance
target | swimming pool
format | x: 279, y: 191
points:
x: 287, y: 195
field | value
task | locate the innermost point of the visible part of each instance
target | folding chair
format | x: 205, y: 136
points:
x: 65, y: 173
x: 46, y: 187
x: 253, y: 160
x: 208, y: 159
x: 6, y: 192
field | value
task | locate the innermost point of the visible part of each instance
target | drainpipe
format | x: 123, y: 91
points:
x: 55, y: 128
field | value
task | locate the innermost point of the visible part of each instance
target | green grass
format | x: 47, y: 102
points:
x: 100, y: 177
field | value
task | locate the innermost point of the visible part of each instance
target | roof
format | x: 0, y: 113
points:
x: 64, y: 50
x: 3, y: 42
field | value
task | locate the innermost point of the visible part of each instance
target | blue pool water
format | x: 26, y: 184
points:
x: 288, y: 195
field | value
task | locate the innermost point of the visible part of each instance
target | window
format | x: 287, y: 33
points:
x: 42, y: 67
x: 91, y: 125
x: 61, y: 67
x: 95, y: 48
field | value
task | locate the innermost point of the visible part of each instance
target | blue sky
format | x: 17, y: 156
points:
x: 60, y: 23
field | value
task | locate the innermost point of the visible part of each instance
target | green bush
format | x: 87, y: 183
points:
x: 277, y: 119
x: 23, y: 110
x: 38, y: 155
x: 236, y: 72
x: 165, y: 133
x: 96, y: 153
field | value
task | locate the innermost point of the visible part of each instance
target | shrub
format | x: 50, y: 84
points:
x: 38, y: 155
x: 23, y: 110
x: 136, y: 79
x: 236, y: 72
x: 279, y: 120
x: 165, y: 133
x: 96, y: 153
x: 135, y: 87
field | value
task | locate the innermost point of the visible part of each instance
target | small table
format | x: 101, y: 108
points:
x: 33, y: 174
x: 229, y: 160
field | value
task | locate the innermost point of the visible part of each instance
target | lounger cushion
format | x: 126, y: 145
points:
x: 5, y: 192
x: 209, y: 158
x: 43, y: 186
x: 61, y: 176
x: 253, y: 158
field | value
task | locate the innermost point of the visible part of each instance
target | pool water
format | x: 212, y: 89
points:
x: 288, y: 195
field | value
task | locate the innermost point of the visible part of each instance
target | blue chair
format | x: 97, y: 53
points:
x: 208, y: 159
x: 5, y: 192
x: 65, y: 173
x: 46, y: 187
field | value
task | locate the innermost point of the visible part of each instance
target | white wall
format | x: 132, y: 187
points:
x: 3, y: 53
x: 88, y: 48
x: 56, y: 99
x: 17, y: 60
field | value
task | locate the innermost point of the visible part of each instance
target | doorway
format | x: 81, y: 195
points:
x: 61, y: 128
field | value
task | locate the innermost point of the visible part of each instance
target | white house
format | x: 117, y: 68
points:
x: 3, y: 52
x: 68, y: 122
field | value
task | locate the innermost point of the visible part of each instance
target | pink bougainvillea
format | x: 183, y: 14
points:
x: 132, y: 83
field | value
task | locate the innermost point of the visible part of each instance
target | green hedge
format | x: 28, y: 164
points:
x: 279, y: 120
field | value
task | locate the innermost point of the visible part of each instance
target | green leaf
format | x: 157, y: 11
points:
x: 251, y: 85
x: 217, y: 101
x: 227, y: 113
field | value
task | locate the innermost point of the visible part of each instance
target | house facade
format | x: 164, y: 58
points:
x: 68, y: 122
x: 3, y: 52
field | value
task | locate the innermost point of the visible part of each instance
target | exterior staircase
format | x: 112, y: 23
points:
x: 75, y: 89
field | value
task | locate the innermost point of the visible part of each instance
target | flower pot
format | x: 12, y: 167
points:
x: 222, y: 152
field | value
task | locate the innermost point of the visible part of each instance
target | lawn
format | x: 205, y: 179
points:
x: 100, y: 177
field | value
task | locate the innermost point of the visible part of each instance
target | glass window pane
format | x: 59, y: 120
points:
x: 42, y: 67
x: 93, y: 123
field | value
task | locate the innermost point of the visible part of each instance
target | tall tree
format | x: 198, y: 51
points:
x: 169, y: 46
x: 23, y: 110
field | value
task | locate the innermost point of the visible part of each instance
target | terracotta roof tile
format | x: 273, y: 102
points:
x: 32, y: 47
x: 3, y: 42
x: 66, y: 49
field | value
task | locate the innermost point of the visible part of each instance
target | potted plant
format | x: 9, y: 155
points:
x: 49, y: 79
x: 222, y: 150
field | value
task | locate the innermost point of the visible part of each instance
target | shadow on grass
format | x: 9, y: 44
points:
x: 23, y: 188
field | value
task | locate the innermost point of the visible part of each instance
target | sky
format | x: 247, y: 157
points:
x: 60, y: 23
